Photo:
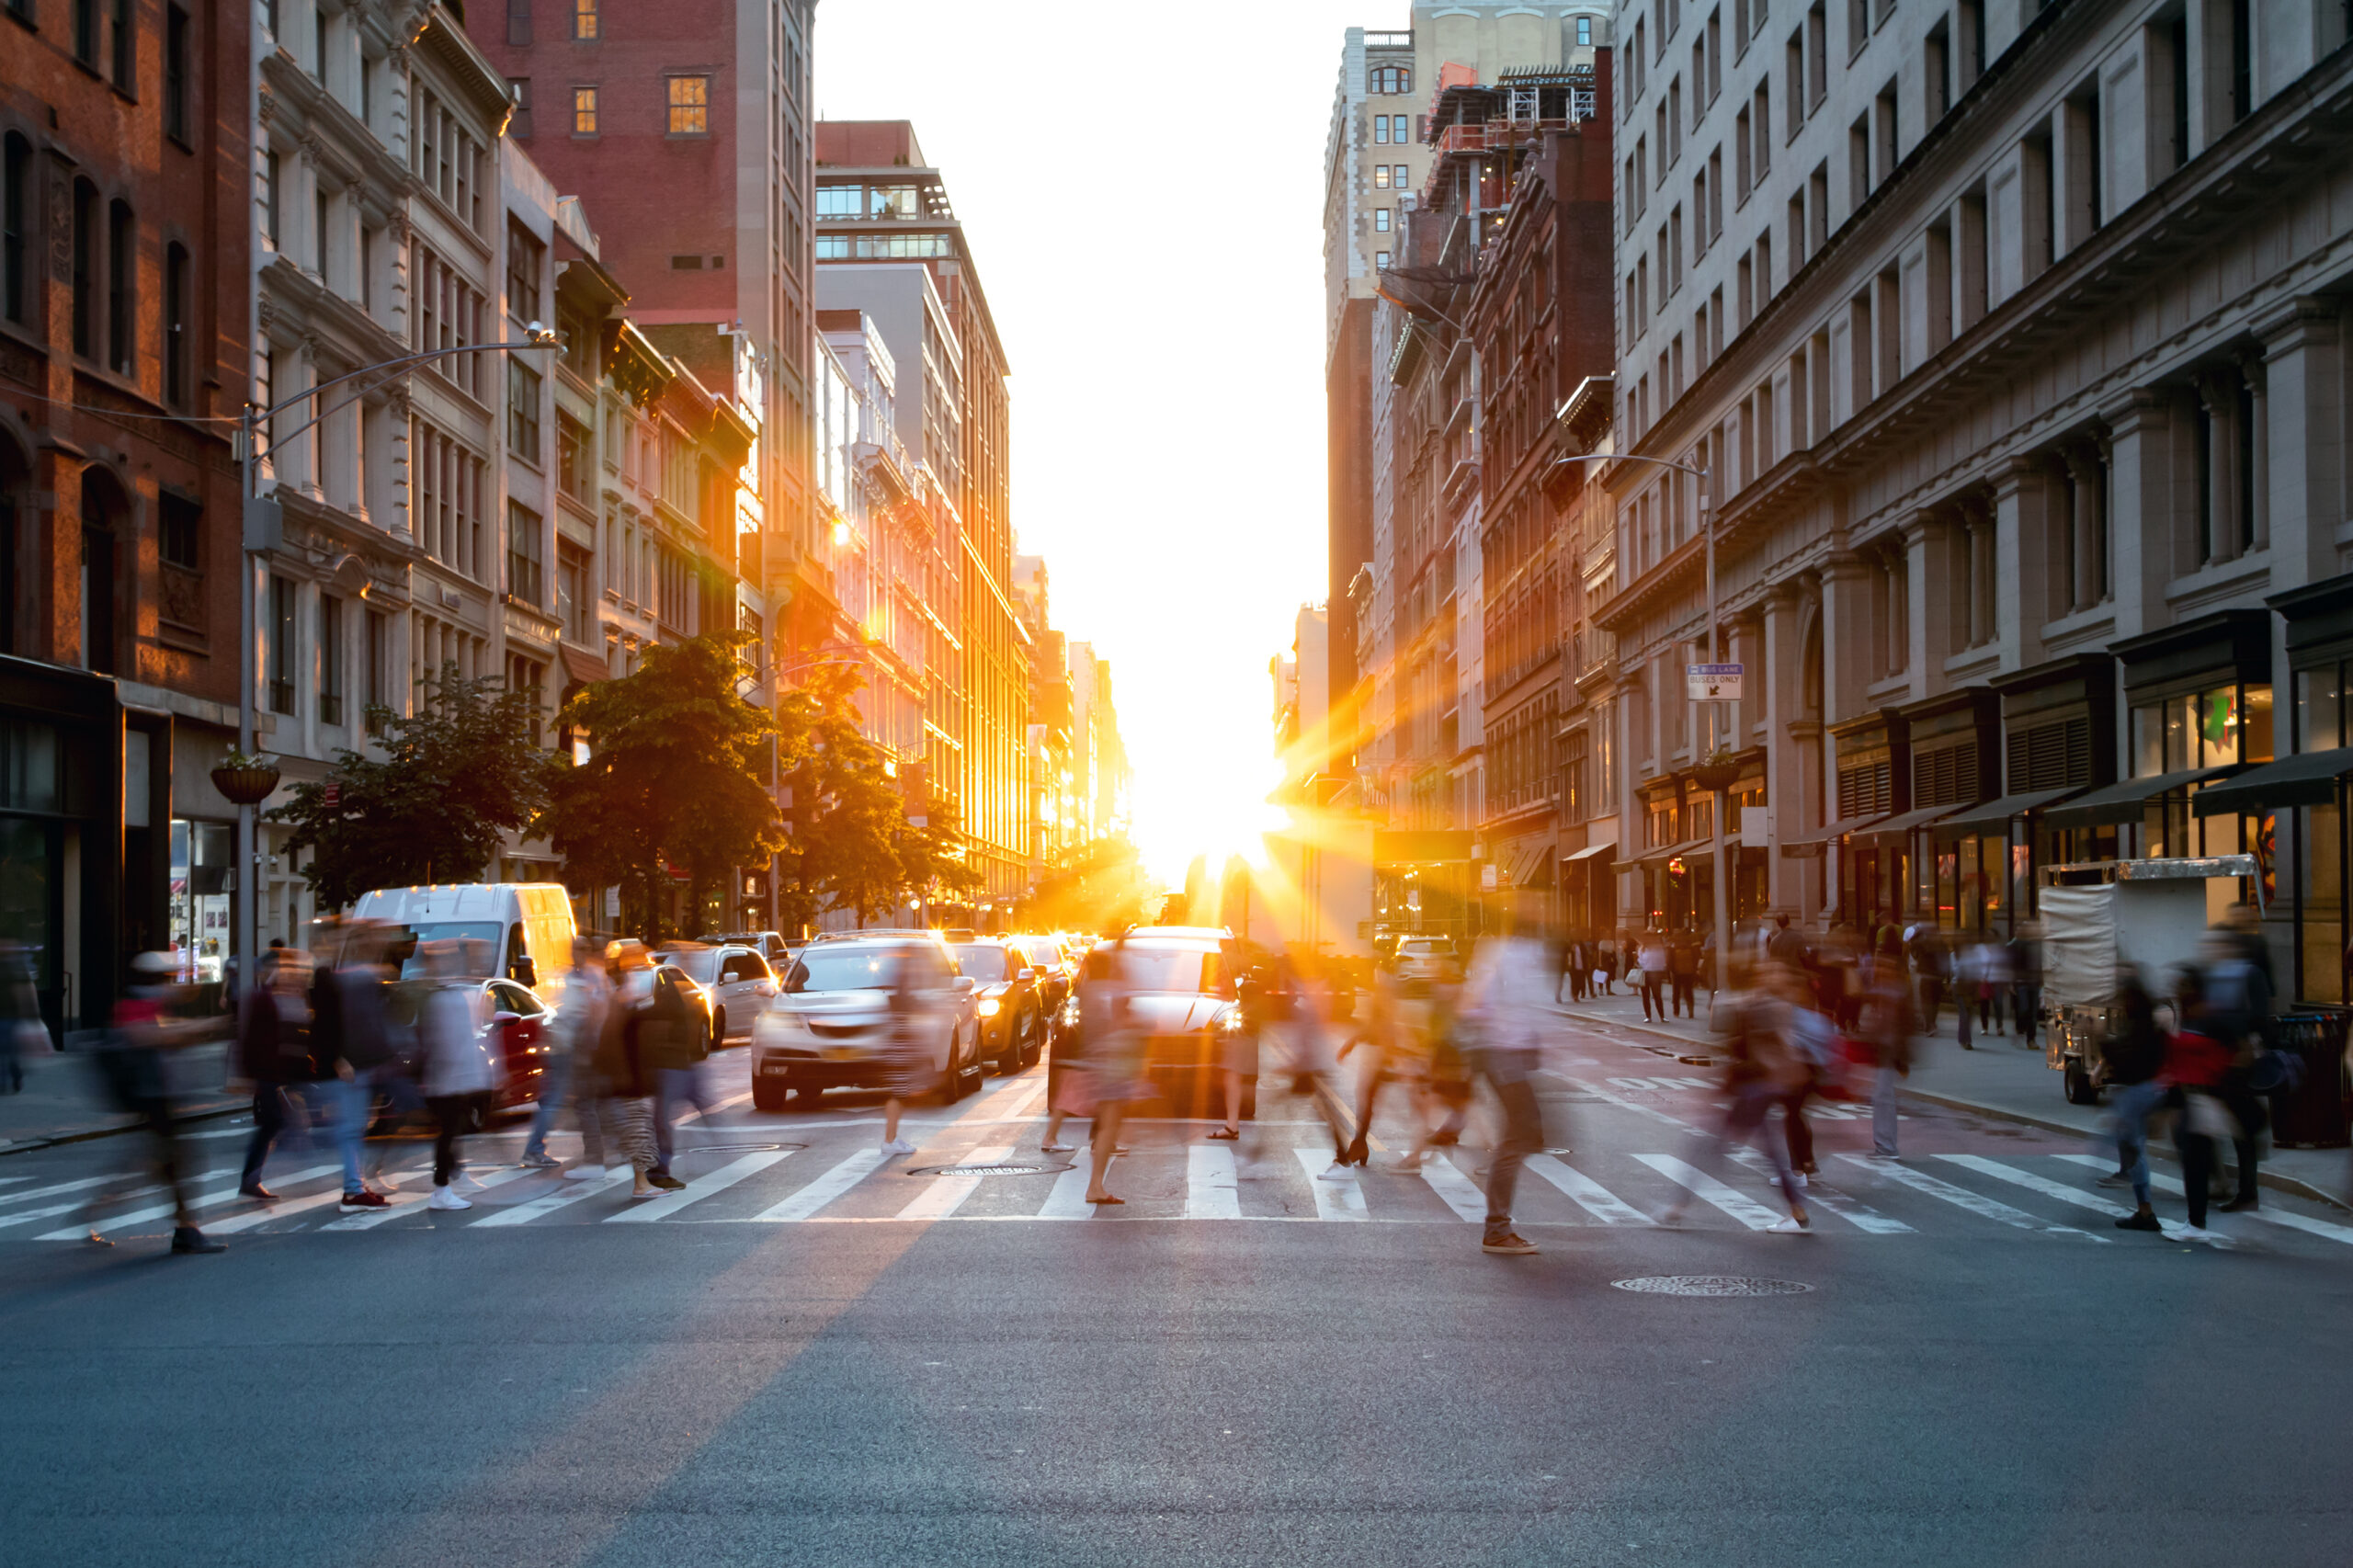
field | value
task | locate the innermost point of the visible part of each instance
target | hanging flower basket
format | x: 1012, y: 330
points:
x: 1716, y: 772
x: 245, y: 781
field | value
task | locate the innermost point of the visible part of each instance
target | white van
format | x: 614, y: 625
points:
x: 525, y: 929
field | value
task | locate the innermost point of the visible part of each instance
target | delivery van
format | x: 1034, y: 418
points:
x: 517, y: 931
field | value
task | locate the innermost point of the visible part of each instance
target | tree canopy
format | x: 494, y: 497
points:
x: 454, y: 777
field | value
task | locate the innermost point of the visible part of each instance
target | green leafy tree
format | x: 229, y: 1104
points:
x: 931, y: 854
x: 846, y: 854
x: 454, y: 777
x: 673, y: 776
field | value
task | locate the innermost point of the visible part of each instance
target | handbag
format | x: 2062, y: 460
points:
x: 2205, y: 1115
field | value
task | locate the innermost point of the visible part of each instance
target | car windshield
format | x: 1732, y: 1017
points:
x: 1186, y: 969
x: 984, y: 961
x: 699, y: 967
x: 1042, y: 951
x: 843, y: 969
x: 472, y: 959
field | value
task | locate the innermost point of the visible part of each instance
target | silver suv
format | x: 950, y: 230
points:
x: 829, y: 1027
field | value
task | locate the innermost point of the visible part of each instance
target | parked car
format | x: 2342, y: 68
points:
x: 1426, y: 958
x: 770, y: 944
x: 1181, y: 993
x: 1056, y: 972
x: 518, y: 1023
x: 736, y: 983
x: 1012, y: 1013
x: 828, y: 1028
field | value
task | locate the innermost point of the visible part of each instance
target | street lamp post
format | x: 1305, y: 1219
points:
x: 257, y: 540
x: 1709, y: 776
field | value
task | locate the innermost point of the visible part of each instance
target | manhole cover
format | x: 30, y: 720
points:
x: 1711, y: 1285
x: 737, y: 1148
x: 987, y: 1170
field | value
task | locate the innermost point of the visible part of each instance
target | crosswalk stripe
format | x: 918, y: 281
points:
x: 11, y: 1181
x: 56, y: 1208
x: 51, y: 1190
x: 702, y: 1186
x: 2282, y: 1217
x: 1458, y: 1191
x: 571, y: 1192
x: 1067, y: 1201
x: 226, y: 1193
x: 1586, y: 1193
x: 825, y: 1189
x: 2029, y: 1181
x: 1342, y: 1199
x: 1977, y: 1203
x: 1739, y: 1205
x: 946, y: 1194
x: 399, y: 1204
x: 290, y: 1207
x: 1830, y: 1200
x: 1212, y: 1189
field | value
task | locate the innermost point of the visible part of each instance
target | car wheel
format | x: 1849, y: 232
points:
x: 719, y: 1029
x: 2081, y: 1090
x: 1009, y: 1061
x: 769, y: 1096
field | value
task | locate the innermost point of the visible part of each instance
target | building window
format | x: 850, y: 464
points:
x: 526, y: 574
x: 1381, y: 260
x: 524, y: 256
x: 584, y: 111
x: 583, y: 18
x: 176, y: 71
x: 86, y: 268
x: 1381, y: 129
x: 572, y: 462
x: 177, y: 326
x: 378, y: 690
x: 330, y: 659
x: 180, y: 532
x: 85, y: 31
x: 519, y: 23
x: 1392, y: 79
x: 523, y: 411
x: 841, y: 202
x: 689, y: 105
x: 1584, y: 32
x: 1380, y: 219
x: 1381, y: 176
x: 574, y: 602
x: 272, y: 189
x: 16, y: 214
x: 281, y: 645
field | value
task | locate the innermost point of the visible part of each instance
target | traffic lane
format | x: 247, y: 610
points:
x: 1155, y: 1393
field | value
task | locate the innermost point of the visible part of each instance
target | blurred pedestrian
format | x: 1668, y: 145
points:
x: 22, y: 1031
x: 1884, y: 1022
x: 2026, y: 982
x: 460, y: 1075
x: 1114, y: 1059
x: 1446, y: 1086
x: 1755, y: 1024
x: 1376, y: 1046
x: 131, y: 1063
x: 1651, y: 954
x: 355, y: 1049
x: 273, y: 1055
x: 1504, y: 997
x: 1238, y: 1048
x: 2239, y: 1010
x: 681, y: 1047
x: 2132, y: 1050
x: 2197, y: 1063
x: 623, y: 1082
x: 1925, y: 953
x: 908, y: 1067
x: 570, y: 1073
x: 1683, y: 971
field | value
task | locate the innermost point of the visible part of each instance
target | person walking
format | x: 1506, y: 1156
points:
x: 1446, y: 1087
x: 908, y: 1065
x: 1761, y: 1071
x: 1238, y: 1049
x: 274, y: 1054
x: 1683, y: 971
x: 1884, y: 1021
x: 133, y: 1065
x: 2197, y: 1063
x: 23, y: 1032
x: 680, y: 1050
x: 460, y: 1076
x: 623, y: 1082
x: 2132, y: 1050
x: 1505, y: 995
x: 1652, y: 956
x: 2025, y: 985
x: 2239, y: 1006
x: 1115, y: 1061
x: 571, y: 1073
x: 353, y: 1046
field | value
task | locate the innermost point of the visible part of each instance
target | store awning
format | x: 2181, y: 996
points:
x: 1994, y: 816
x: 1836, y: 830
x: 584, y: 666
x: 2308, y: 778
x: 2124, y: 802
x: 1590, y: 851
x: 1897, y: 829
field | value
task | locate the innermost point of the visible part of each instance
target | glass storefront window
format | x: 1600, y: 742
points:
x: 2320, y: 708
x: 2321, y: 912
x: 201, y: 853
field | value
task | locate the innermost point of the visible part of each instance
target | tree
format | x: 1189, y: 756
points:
x: 931, y: 853
x: 845, y: 852
x: 672, y: 777
x: 454, y: 777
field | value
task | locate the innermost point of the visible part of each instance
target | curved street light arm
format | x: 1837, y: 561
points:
x: 541, y: 338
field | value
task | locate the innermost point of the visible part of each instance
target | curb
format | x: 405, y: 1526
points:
x: 62, y: 1139
x: 2272, y: 1179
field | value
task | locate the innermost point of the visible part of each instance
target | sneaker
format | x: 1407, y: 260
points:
x: 898, y: 1146
x: 1507, y: 1244
x: 585, y: 1173
x: 666, y: 1182
x: 1334, y: 1172
x: 187, y: 1238
x: 2114, y: 1179
x: 2138, y: 1222
x: 1793, y: 1226
x: 538, y: 1162
x: 363, y: 1198
x: 1056, y: 1149
x: 444, y: 1198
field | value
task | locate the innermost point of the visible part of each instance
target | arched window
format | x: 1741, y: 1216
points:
x: 1392, y: 79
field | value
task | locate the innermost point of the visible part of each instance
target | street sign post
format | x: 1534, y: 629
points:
x: 1713, y: 683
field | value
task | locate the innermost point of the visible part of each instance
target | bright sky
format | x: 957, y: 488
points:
x: 1142, y: 189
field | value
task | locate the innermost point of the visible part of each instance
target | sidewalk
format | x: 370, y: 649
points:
x: 1997, y: 1079
x: 61, y: 1103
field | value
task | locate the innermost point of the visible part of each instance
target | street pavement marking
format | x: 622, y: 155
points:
x: 278, y: 1210
x: 1739, y: 1205
x: 1961, y: 1197
x: 224, y: 1194
x: 946, y: 1194
x: 548, y: 1203
x: 1586, y: 1193
x: 1342, y: 1199
x: 11, y: 1181
x: 2032, y: 1183
x: 1212, y: 1189
x: 1589, y: 1086
x: 2268, y: 1215
x: 702, y: 1186
x: 55, y: 1208
x: 1461, y: 1193
x: 399, y: 1204
x: 1067, y: 1201
x: 1862, y: 1216
x: 52, y: 1190
x: 825, y: 1189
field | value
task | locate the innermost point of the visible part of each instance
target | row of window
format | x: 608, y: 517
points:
x: 686, y: 106
x: 332, y: 629
x: 1391, y: 177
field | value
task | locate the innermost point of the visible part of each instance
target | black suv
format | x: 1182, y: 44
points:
x: 1013, y: 1013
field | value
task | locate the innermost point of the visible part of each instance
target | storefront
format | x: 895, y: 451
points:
x: 1874, y: 785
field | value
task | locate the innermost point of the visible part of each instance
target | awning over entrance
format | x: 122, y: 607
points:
x: 1809, y: 844
x: 2308, y: 778
x: 1590, y: 851
x: 1994, y: 815
x: 2124, y: 802
x: 1897, y: 828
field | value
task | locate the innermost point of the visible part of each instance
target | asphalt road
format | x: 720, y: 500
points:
x: 783, y: 1369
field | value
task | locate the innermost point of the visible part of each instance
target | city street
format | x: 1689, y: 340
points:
x: 812, y: 1355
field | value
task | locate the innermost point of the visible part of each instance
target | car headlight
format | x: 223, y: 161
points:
x: 990, y: 1008
x: 1230, y: 1020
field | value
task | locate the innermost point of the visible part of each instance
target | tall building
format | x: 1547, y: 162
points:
x: 1098, y: 759
x: 125, y: 305
x: 884, y: 216
x: 686, y: 129
x: 2012, y: 344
